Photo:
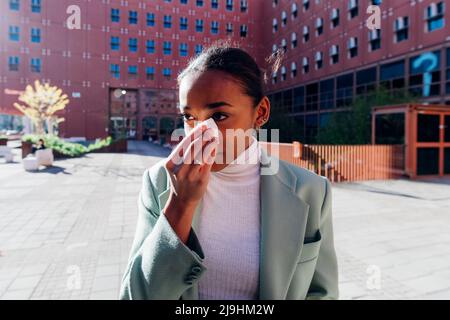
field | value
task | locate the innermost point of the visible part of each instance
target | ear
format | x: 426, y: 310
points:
x: 263, y: 111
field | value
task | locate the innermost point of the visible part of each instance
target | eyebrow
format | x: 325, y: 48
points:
x: 213, y: 105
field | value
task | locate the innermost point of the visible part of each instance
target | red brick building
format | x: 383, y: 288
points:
x: 140, y: 46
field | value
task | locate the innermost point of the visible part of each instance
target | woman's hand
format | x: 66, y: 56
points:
x: 189, y: 167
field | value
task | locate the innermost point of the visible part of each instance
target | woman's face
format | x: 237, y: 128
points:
x: 216, y: 95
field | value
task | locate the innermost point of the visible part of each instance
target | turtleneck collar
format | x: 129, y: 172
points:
x: 246, y: 164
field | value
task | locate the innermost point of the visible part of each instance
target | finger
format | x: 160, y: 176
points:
x: 206, y: 167
x: 176, y: 157
x: 207, y: 155
x: 191, y: 155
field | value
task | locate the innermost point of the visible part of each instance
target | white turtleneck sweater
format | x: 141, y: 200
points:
x: 229, y: 229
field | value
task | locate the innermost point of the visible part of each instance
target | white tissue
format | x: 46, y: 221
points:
x: 210, y: 123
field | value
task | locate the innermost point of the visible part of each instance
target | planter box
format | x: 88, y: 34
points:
x: 119, y: 146
x: 3, y: 142
x: 26, y: 148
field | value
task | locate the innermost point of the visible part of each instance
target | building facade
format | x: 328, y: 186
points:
x: 138, y: 47
x: 119, y: 69
x: 332, y: 56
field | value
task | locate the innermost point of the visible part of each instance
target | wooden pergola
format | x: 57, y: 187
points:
x: 426, y: 137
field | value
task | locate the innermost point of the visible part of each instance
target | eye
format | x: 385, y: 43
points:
x: 216, y: 116
x: 186, y: 117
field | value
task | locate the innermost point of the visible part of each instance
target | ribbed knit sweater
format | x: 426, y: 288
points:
x: 229, y: 229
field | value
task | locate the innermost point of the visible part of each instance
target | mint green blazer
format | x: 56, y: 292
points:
x: 297, y: 261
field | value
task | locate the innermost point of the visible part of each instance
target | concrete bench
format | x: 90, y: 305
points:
x: 6, y: 153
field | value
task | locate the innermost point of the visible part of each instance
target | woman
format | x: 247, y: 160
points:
x: 40, y: 146
x: 214, y: 229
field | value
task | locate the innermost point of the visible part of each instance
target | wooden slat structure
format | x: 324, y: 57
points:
x: 341, y: 163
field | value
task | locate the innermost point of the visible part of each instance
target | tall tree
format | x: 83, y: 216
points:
x: 41, y: 104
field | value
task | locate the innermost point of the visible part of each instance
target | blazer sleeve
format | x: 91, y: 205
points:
x: 160, y: 265
x: 324, y: 284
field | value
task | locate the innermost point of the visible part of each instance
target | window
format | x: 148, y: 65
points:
x: 305, y: 64
x: 286, y: 105
x: 334, y: 18
x: 214, y: 4
x: 36, y: 6
x: 352, y: 47
x: 312, y: 96
x: 447, y: 86
x: 14, y: 33
x: 319, y: 60
x: 199, y: 25
x: 229, y: 5
x: 150, y: 73
x: 199, y: 3
x: 198, y: 48
x: 132, y: 17
x: 305, y: 34
x: 167, y: 21
x: 392, y: 75
x: 284, y: 44
x: 132, y: 72
x: 274, y: 25
x: 167, y: 47
x: 35, y: 65
x: 401, y: 29
x: 150, y: 19
x: 326, y: 94
x: 425, y: 75
x: 183, y: 49
x: 274, y: 77
x: 352, y: 9
x: 244, y: 31
x: 183, y: 23
x: 283, y: 18
x: 366, y: 81
x: 334, y: 54
x: 13, y: 63
x: 35, y: 35
x: 114, y: 69
x: 344, y: 90
x: 229, y: 28
x: 283, y: 73
x: 294, y: 10
x: 377, y: 2
x: 311, y: 128
x: 319, y: 26
x: 167, y: 73
x: 374, y: 39
x: 115, y: 43
x: 115, y: 15
x: 133, y: 44
x: 305, y: 5
x: 244, y: 5
x: 214, y: 27
x: 183, y: 1
x: 293, y: 70
x: 14, y: 5
x: 299, y: 99
x: 435, y: 16
x: 293, y: 40
x: 150, y: 46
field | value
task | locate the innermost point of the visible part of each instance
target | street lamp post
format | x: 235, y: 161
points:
x: 123, y: 92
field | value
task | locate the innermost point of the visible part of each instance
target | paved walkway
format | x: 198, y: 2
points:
x: 66, y: 232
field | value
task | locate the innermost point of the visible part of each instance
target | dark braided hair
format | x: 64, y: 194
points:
x: 236, y: 62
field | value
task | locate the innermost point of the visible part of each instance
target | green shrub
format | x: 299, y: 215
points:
x: 69, y: 149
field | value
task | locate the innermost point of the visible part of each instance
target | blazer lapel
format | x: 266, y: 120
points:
x: 283, y: 222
